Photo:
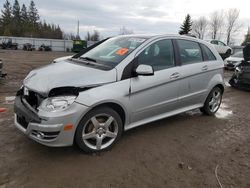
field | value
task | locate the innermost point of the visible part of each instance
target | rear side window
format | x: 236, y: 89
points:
x: 190, y: 52
x: 208, y: 55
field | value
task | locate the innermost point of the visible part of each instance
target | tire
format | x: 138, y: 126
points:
x: 99, y: 130
x: 213, y: 101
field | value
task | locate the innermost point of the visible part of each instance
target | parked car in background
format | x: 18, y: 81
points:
x: 237, y: 49
x: 6, y: 43
x: 122, y: 83
x: 224, y: 50
x: 28, y: 47
x: 234, y: 60
x: 44, y: 47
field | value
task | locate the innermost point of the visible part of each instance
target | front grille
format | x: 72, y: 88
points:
x: 33, y: 99
x: 230, y: 65
x: 22, y: 121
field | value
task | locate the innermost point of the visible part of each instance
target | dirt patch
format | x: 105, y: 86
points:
x: 181, y: 151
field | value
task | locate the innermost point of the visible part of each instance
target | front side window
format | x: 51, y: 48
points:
x: 160, y: 55
x: 114, y: 50
x: 190, y: 52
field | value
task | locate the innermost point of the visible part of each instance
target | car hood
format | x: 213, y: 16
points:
x: 66, y: 74
x: 234, y: 59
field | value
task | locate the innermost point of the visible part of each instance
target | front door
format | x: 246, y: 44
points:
x: 157, y: 94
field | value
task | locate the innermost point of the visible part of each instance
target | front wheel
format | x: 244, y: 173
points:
x: 99, y: 130
x: 213, y: 101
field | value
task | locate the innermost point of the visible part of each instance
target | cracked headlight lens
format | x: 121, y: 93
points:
x: 237, y: 71
x: 55, y: 104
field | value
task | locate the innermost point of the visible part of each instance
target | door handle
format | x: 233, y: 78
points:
x: 204, y: 68
x: 175, y: 75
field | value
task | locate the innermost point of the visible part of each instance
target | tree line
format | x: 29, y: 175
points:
x: 217, y: 25
x: 25, y: 22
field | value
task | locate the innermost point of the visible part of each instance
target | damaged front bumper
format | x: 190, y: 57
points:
x: 48, y: 128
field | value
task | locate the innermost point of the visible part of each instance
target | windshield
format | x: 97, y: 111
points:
x: 238, y: 54
x: 114, y: 50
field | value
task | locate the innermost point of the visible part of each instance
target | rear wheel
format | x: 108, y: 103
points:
x: 99, y: 130
x: 213, y: 101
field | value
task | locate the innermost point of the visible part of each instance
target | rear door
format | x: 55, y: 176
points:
x: 158, y: 94
x: 194, y: 72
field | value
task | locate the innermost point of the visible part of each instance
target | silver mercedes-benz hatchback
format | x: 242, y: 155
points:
x: 118, y: 84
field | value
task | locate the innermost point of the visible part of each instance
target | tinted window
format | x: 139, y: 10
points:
x: 214, y: 42
x: 190, y: 52
x: 159, y: 55
x: 221, y: 43
x: 208, y: 55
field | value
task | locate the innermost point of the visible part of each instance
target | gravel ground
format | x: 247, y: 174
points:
x: 181, y: 151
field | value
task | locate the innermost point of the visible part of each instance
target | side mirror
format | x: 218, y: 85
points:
x: 144, y: 70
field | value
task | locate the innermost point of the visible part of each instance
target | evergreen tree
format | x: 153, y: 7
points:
x: 16, y: 11
x: 33, y: 15
x: 186, y: 27
x: 16, y: 24
x: 22, y: 22
x: 24, y: 14
x: 6, y: 18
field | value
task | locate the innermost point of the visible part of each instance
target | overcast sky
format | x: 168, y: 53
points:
x: 141, y: 16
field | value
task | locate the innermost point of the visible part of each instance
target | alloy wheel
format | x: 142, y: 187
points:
x: 100, y: 131
x: 215, y: 101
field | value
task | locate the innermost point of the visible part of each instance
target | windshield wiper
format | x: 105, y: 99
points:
x: 88, y: 62
x: 88, y: 59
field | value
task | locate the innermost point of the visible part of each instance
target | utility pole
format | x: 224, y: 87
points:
x: 78, y: 37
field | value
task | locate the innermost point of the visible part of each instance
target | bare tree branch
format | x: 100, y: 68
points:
x: 199, y: 27
x: 125, y: 31
x: 232, y: 25
x: 216, y: 23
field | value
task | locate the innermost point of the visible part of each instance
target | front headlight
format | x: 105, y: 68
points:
x: 55, y: 104
x: 237, y: 71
